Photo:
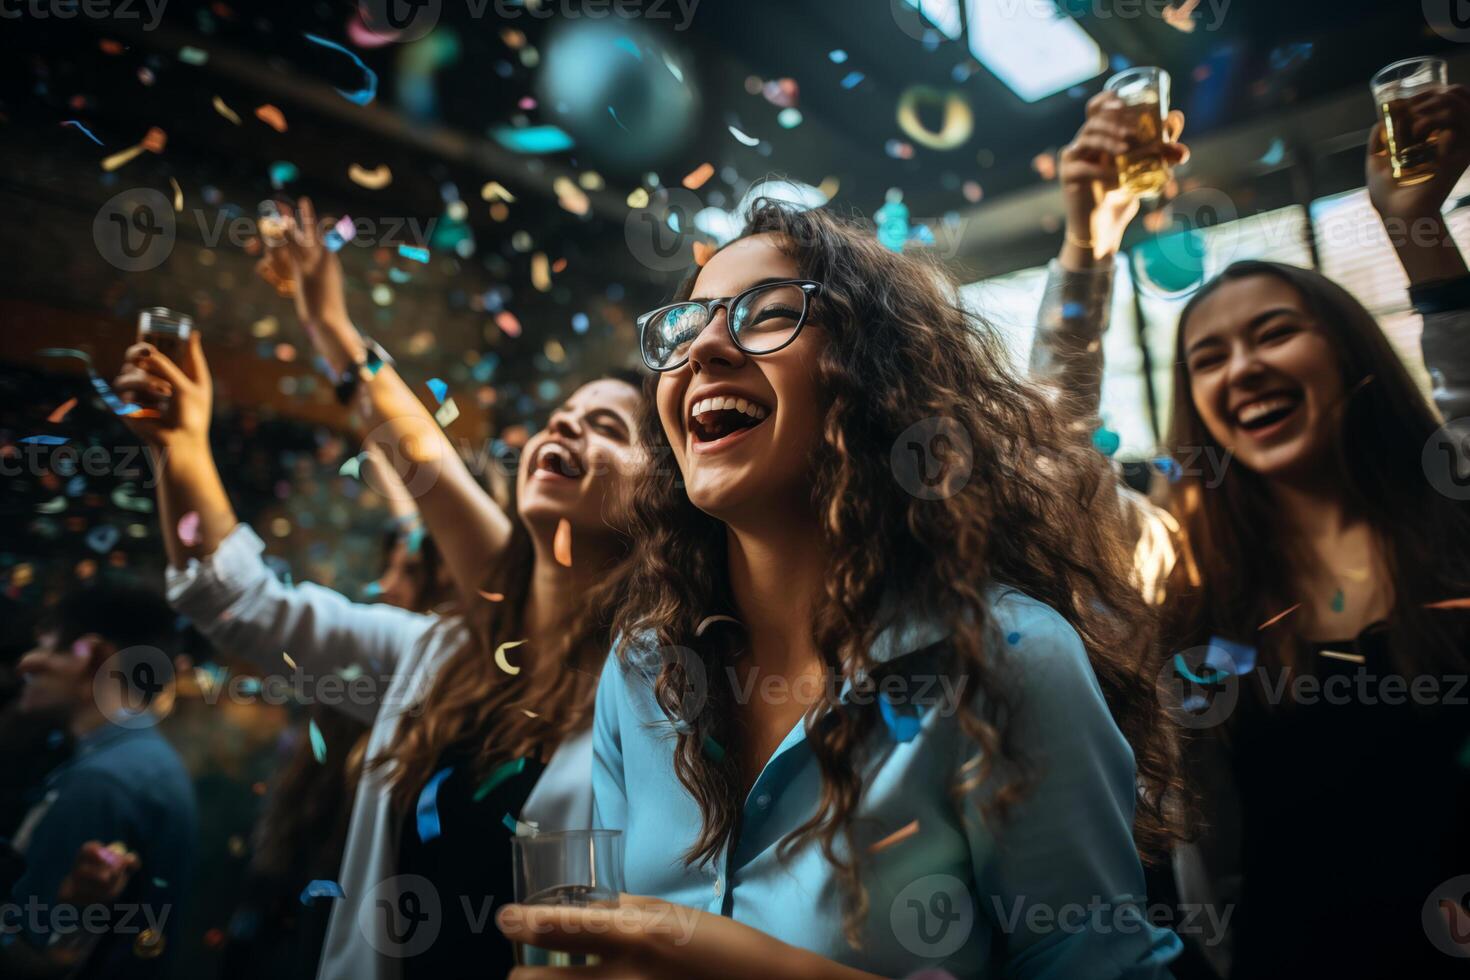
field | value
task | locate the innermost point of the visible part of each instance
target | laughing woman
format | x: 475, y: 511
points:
x: 920, y: 733
x: 463, y: 734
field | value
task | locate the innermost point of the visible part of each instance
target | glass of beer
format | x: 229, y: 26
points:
x: 1145, y: 94
x: 166, y: 330
x: 1411, y: 157
x: 571, y: 867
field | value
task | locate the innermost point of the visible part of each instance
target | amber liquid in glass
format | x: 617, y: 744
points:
x: 1142, y: 170
x: 1412, y: 158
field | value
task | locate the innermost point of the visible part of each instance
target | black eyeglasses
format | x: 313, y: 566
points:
x: 761, y: 320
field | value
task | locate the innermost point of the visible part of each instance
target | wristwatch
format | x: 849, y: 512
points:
x: 372, y: 362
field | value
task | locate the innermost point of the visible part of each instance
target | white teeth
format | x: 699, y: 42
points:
x: 741, y: 405
x: 1255, y: 410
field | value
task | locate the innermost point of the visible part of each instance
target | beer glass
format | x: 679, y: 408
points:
x: 166, y: 330
x: 571, y: 867
x: 1145, y: 94
x: 1411, y: 157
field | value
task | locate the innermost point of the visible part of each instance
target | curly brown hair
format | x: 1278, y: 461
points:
x: 904, y: 349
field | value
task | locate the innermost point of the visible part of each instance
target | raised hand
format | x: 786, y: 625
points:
x: 297, y: 261
x: 1098, y: 208
x: 1444, y: 113
x: 182, y: 395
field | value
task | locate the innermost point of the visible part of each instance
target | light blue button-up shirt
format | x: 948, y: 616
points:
x: 1054, y: 892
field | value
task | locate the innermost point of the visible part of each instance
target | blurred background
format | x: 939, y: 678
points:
x: 525, y: 178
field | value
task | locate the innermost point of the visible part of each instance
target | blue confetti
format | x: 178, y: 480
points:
x: 1228, y: 657
x: 369, y: 88
x: 853, y: 79
x: 627, y: 45
x: 1169, y: 466
x: 439, y: 388
x: 1182, y: 668
x: 102, y: 537
x: 427, y: 810
x: 318, y: 743
x: 1106, y: 441
x: 372, y: 590
x: 1073, y: 311
x: 89, y: 134
x: 904, y: 727
x: 837, y: 56
x: 1275, y: 154
x: 580, y: 323
x: 614, y: 113
x: 414, y: 252
x: 320, y: 888
x: 532, y: 139
x: 45, y: 440
x: 282, y: 173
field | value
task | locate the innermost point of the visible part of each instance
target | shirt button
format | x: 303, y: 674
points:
x: 763, y: 801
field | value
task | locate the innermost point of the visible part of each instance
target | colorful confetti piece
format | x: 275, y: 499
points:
x: 561, y: 545
x: 497, y: 776
x: 439, y: 388
x: 224, y: 110
x: 500, y: 660
x: 189, y: 529
x: 699, y: 176
x: 369, y: 89
x: 83, y: 129
x: 1279, y: 617
x: 320, y: 888
x: 492, y: 596
x: 60, y: 411
x: 272, y: 117
x: 427, y: 810
x: 902, y: 726
x: 318, y: 743
x: 374, y: 180
x: 897, y: 837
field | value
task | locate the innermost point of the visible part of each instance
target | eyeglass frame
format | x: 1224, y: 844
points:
x: 809, y: 287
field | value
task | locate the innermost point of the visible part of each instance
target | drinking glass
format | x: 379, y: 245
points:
x: 1145, y: 94
x: 571, y: 867
x: 1411, y: 157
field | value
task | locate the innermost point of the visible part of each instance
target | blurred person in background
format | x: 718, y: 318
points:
x: 100, y: 663
x: 1326, y: 555
x: 489, y: 739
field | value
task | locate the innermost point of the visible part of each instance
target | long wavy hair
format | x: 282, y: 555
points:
x: 475, y: 708
x: 1242, y: 559
x: 903, y: 349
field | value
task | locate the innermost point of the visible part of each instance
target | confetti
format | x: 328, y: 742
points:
x: 193, y: 56
x: 123, y: 499
x: 439, y: 388
x: 85, y: 131
x: 904, y: 727
x: 352, y: 467
x: 102, y: 537
x: 954, y: 131
x: 837, y: 56
x: 494, y: 191
x: 427, y: 810
x: 1339, y: 601
x: 344, y: 231
x: 226, y: 111
x: 121, y: 157
x: 1181, y: 667
x: 369, y: 89
x: 446, y: 413
x: 1013, y: 638
x: 614, y: 113
x: 699, y: 176
x: 1352, y: 658
x: 492, y: 596
x: 320, y: 888
x: 374, y: 180
x: 1448, y: 604
x: 1279, y: 617
x: 318, y: 744
x: 508, y: 323
x: 149, y: 945
x: 541, y: 272
x: 571, y: 197
x: 500, y: 660
x: 44, y: 440
x: 534, y: 139
x: 60, y: 411
x: 709, y: 621
x: 178, y: 194
x: 289, y: 662
x: 1228, y: 657
x: 561, y: 546
x: 853, y: 79
x: 521, y: 828
x: 154, y: 140
x: 189, y: 529
x: 638, y: 198
x: 497, y: 776
x: 272, y: 117
x: 743, y: 137
x: 897, y: 837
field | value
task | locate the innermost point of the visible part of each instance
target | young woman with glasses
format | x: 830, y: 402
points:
x: 1316, y: 590
x: 878, y: 707
x: 475, y: 718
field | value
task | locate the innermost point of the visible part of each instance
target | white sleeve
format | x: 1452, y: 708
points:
x: 235, y: 600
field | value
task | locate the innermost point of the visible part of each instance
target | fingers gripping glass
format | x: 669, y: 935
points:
x: 761, y: 320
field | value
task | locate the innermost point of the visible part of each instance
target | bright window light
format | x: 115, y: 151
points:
x: 943, y: 14
x: 1031, y: 46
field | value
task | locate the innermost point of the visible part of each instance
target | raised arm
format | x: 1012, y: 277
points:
x: 1413, y: 218
x: 470, y: 528
x: 216, y: 576
x: 1066, y: 354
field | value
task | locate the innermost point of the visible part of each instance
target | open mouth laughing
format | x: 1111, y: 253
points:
x: 720, y: 420
x: 556, y: 460
x: 1267, y: 414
